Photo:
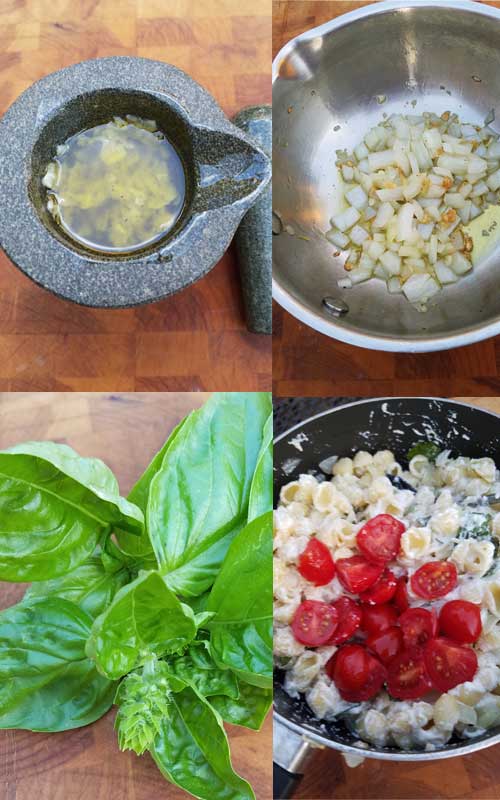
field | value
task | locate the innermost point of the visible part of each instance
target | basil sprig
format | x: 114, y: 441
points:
x: 160, y: 603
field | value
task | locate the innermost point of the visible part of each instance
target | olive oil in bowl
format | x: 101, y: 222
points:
x: 117, y: 187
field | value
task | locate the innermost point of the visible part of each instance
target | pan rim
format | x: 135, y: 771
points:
x: 363, y: 400
x: 379, y: 8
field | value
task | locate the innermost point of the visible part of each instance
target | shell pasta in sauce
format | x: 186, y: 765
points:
x: 387, y: 595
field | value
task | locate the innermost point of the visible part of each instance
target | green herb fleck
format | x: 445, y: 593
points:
x: 427, y: 449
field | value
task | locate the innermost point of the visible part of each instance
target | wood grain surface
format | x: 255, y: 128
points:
x: 125, y: 430
x: 474, y: 777
x: 310, y: 364
x: 197, y: 339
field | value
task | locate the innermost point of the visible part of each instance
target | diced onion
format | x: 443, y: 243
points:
x: 409, y: 187
x: 357, y: 197
x: 480, y: 188
x: 378, y: 161
x: 420, y: 288
x: 384, y: 213
x: 346, y: 219
x: 460, y: 264
x: 375, y: 250
x: 445, y: 274
x: 425, y: 231
x: 390, y: 195
x: 358, y: 234
x: 454, y: 199
x: 347, y: 172
x: 494, y: 181
x: 405, y: 223
x: 337, y: 238
x: 359, y: 275
x: 493, y: 150
x: 391, y: 262
x: 361, y: 151
x: 394, y: 285
x: 344, y: 283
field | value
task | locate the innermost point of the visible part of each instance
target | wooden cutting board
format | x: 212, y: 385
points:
x: 125, y: 430
x: 197, y: 339
x: 307, y: 363
x: 474, y: 777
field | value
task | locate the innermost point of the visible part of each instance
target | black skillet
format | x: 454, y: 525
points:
x: 382, y: 424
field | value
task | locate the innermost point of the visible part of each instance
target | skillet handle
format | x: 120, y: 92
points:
x: 291, y: 753
x: 284, y: 783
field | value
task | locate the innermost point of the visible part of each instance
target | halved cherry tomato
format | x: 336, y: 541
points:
x: 407, y: 676
x: 386, y: 645
x: 461, y: 621
x: 356, y: 574
x: 400, y: 599
x: 314, y: 623
x: 356, y: 673
x: 382, y: 591
x: 434, y: 579
x: 380, y: 538
x: 418, y: 625
x: 378, y: 618
x: 348, y: 667
x: 449, y: 663
x: 349, y: 620
x: 316, y: 563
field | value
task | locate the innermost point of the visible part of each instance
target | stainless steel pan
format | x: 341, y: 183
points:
x: 423, y: 55
x: 394, y: 424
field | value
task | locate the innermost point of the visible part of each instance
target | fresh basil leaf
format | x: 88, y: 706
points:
x: 55, y: 506
x: 144, y: 619
x: 198, y: 573
x: 427, y: 449
x: 261, y: 490
x: 198, y: 668
x: 241, y: 597
x: 144, y: 702
x: 199, y: 605
x: 202, y: 618
x: 199, y: 498
x: 89, y: 586
x: 140, y: 492
x: 46, y: 681
x: 141, y: 547
x: 192, y: 750
x: 249, y: 710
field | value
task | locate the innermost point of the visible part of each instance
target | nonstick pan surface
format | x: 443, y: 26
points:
x: 393, y: 424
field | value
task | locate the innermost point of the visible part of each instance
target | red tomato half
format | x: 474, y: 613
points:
x: 408, y: 678
x: 449, y: 663
x: 379, y: 539
x: 348, y: 667
x: 434, y: 579
x: 386, y: 645
x: 316, y: 564
x: 461, y: 621
x: 418, y: 625
x: 356, y: 673
x: 349, y: 620
x: 314, y: 623
x: 400, y: 599
x: 382, y: 591
x: 356, y: 574
x: 378, y: 618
